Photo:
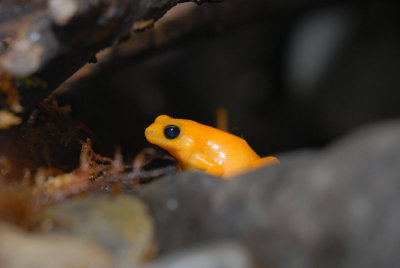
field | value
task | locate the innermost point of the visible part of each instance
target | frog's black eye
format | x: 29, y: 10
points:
x: 171, y: 132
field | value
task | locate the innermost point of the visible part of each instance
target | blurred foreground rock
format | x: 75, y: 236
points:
x: 18, y: 249
x: 120, y: 224
x: 95, y: 231
x: 221, y: 255
x: 338, y: 207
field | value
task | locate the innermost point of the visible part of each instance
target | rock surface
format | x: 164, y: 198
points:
x: 220, y: 255
x: 119, y: 224
x: 18, y: 249
x: 95, y: 231
x: 338, y: 207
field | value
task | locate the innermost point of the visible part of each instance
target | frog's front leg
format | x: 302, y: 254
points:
x: 206, y: 164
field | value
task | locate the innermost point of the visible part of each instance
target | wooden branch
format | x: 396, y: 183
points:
x: 64, y: 35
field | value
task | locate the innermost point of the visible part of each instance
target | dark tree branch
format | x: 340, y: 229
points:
x: 55, y: 45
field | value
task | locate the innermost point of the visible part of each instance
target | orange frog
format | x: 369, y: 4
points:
x: 200, y: 147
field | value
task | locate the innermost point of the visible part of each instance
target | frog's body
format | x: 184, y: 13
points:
x: 200, y: 147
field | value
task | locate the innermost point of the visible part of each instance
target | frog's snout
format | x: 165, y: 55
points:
x: 149, y: 132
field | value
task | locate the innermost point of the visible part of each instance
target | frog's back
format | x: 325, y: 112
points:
x: 230, y: 151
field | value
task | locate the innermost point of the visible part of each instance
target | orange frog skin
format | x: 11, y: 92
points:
x: 200, y: 147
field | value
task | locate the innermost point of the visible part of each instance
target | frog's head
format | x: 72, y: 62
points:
x: 170, y: 134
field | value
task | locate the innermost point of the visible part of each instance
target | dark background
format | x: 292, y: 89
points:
x: 291, y: 74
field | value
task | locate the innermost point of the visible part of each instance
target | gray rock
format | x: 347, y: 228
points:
x: 119, y: 224
x: 339, y: 207
x: 19, y: 249
x: 95, y: 231
x: 216, y: 255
